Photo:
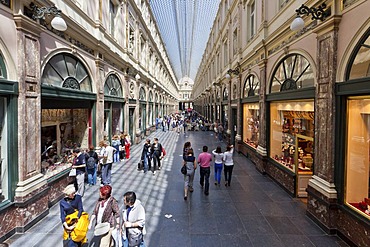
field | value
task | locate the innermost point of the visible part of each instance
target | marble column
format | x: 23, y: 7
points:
x: 321, y: 189
x: 99, y: 124
x: 31, y: 182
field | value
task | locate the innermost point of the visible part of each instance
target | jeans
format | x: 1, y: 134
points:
x: 204, y: 175
x: 156, y: 161
x: 218, y: 170
x: 125, y: 243
x: 106, y: 173
x: 228, y: 171
x: 146, y: 163
x: 220, y: 136
x: 116, y: 154
x: 91, y: 175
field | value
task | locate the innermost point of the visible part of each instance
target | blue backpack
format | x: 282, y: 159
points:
x: 90, y: 162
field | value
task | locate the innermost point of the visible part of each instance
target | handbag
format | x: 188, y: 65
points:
x: 135, y: 239
x: 184, y: 170
x: 72, y: 172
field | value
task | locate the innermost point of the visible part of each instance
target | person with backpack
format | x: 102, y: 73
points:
x: 91, y: 165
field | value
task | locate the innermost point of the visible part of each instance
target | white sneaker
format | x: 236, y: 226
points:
x: 153, y: 173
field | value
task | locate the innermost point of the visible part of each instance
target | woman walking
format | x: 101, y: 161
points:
x: 229, y: 164
x: 191, y: 164
x: 106, y: 211
x: 71, y: 210
x: 218, y: 164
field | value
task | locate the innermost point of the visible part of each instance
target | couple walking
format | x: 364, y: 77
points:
x: 204, y: 161
x: 152, y: 152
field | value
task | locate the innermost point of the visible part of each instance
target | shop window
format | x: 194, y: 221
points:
x: 62, y: 130
x: 293, y: 72
x: 360, y: 66
x: 251, y: 124
x: 112, y: 86
x: 357, y: 159
x: 4, y: 172
x: 292, y: 133
x: 251, y: 86
x: 64, y: 70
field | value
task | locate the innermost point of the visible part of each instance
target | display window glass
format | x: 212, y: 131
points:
x: 4, y: 172
x: 251, y: 86
x: 251, y: 124
x: 360, y: 66
x: 64, y: 70
x: 112, y: 86
x: 62, y: 130
x: 293, y: 72
x: 357, y: 177
x: 292, y: 134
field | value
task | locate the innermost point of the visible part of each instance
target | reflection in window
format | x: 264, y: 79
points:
x: 357, y: 175
x: 64, y: 70
x: 360, y: 67
x: 293, y: 72
x: 112, y: 86
x: 251, y: 86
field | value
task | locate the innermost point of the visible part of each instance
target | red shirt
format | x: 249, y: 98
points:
x: 204, y: 159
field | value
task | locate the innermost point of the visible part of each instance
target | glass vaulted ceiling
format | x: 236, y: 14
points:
x: 185, y: 26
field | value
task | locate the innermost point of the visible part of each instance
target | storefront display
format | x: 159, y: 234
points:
x: 62, y: 130
x: 357, y: 194
x: 292, y: 132
x: 251, y: 124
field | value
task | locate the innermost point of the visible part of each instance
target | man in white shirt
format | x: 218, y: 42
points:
x: 107, y: 167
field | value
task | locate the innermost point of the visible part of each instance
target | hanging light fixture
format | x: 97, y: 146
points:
x: 57, y: 23
x: 318, y: 13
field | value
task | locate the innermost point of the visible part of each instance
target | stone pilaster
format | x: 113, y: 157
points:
x: 99, y: 108
x: 30, y: 179
x: 321, y: 190
x: 262, y: 143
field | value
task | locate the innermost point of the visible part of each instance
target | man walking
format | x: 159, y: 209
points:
x: 204, y: 161
x: 107, y: 167
x: 220, y: 130
x: 145, y: 155
x: 80, y: 164
x: 156, y: 153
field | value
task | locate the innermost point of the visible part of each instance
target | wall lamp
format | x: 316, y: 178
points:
x: 235, y: 71
x: 318, y: 13
x: 39, y: 13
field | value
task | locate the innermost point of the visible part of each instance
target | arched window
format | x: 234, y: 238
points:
x: 112, y: 86
x: 251, y: 86
x: 359, y: 65
x: 293, y: 72
x: 225, y: 95
x: 142, y: 94
x: 65, y: 70
x: 3, y: 73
